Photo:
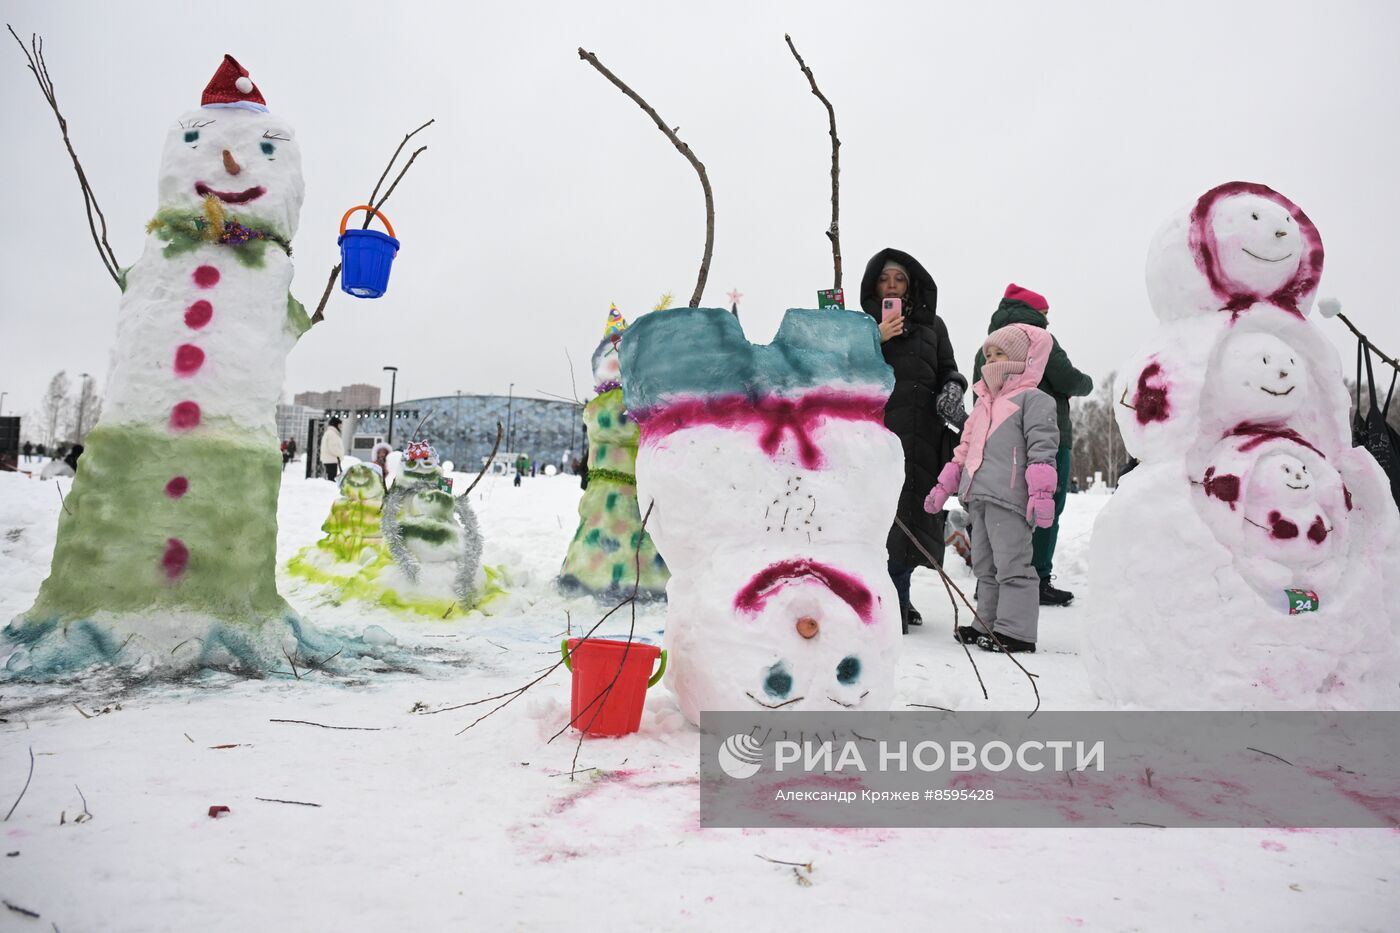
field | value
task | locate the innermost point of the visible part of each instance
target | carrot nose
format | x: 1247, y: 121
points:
x: 807, y: 627
x: 230, y: 164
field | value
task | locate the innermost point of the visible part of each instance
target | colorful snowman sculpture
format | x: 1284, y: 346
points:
x: 773, y: 484
x: 433, y: 538
x: 611, y: 554
x: 166, y: 545
x: 1249, y: 561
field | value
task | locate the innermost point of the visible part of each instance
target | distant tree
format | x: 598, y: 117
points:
x: 1098, y: 445
x: 54, y: 409
x: 87, y: 407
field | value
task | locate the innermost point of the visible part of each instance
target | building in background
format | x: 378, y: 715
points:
x: 463, y: 428
x: 358, y: 395
x: 292, y: 420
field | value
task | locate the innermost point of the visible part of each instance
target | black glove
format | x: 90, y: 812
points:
x: 949, y: 404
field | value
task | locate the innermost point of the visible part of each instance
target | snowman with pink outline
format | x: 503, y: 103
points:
x: 1248, y: 486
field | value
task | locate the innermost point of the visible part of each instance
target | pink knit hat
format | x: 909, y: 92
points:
x: 1036, y: 300
x: 1012, y: 340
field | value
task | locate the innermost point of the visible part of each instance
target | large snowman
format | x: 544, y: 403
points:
x: 773, y: 483
x: 1249, y: 562
x: 166, y: 546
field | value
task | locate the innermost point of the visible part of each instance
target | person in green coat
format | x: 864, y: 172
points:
x: 1063, y: 382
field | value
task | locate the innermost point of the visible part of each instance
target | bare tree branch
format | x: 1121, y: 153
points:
x: 35, y: 56
x: 985, y: 626
x: 392, y: 159
x: 1367, y: 341
x: 487, y: 465
x: 833, y: 233
x: 684, y: 150
x: 320, y: 313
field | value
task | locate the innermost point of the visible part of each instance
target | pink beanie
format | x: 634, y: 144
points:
x: 1014, y: 342
x: 1036, y: 300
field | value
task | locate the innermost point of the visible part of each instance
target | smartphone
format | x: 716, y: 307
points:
x: 891, y: 308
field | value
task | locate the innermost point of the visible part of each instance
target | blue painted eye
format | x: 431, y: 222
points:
x: 268, y: 148
x: 848, y: 671
x: 778, y: 683
x: 191, y: 135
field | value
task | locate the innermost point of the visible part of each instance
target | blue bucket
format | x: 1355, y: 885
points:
x: 366, y: 256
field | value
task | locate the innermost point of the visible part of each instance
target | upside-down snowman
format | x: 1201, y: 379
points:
x: 773, y: 483
x: 1249, y: 561
x: 166, y: 545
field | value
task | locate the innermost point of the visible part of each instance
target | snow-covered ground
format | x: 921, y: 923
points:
x: 419, y: 827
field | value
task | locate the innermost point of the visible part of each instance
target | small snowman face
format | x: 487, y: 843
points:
x: 1258, y: 243
x: 1281, y: 481
x: 1261, y: 379
x: 360, y: 482
x: 607, y: 365
x: 247, y: 159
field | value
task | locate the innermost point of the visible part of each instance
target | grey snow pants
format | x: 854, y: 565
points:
x: 1008, y: 587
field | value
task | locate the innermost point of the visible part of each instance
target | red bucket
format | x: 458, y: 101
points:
x: 598, y: 662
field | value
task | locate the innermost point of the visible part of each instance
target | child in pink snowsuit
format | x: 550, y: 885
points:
x: 1004, y: 474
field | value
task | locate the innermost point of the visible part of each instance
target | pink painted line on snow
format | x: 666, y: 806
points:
x: 771, y: 580
x: 774, y: 417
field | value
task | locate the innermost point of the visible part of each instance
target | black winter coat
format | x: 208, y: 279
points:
x: 922, y: 359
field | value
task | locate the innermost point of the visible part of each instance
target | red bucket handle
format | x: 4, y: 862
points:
x: 365, y: 207
x: 655, y: 678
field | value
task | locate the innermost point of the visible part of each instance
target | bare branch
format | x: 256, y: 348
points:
x: 320, y: 313
x: 23, y: 789
x: 303, y: 722
x: 833, y: 233
x: 34, y: 55
x: 684, y: 150
x: 985, y: 627
x: 392, y: 159
x: 487, y: 465
x: 1366, y: 340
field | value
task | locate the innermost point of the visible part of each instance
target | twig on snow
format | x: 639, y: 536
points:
x: 299, y: 803
x: 23, y: 789
x: 303, y: 722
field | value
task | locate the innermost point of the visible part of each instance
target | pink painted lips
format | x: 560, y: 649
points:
x: 771, y: 579
x: 230, y: 197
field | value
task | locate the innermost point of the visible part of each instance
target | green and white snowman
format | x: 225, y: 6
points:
x: 433, y: 538
x: 166, y: 546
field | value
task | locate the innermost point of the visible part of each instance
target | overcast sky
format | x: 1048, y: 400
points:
x: 1036, y: 142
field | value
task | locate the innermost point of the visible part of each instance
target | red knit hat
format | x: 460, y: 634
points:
x: 1036, y: 300
x: 231, y: 87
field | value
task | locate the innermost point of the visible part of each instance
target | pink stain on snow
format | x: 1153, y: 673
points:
x: 198, y: 314
x: 1226, y: 487
x: 206, y: 276
x: 772, y: 416
x: 188, y: 359
x: 1282, y: 528
x: 177, y: 487
x: 773, y: 578
x: 1151, y: 400
x: 175, y: 559
x: 1260, y: 434
x: 1273, y: 845
x: 184, y: 415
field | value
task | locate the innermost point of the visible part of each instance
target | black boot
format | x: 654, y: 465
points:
x: 904, y: 619
x: 1006, y: 644
x: 914, y: 617
x: 1053, y: 596
x: 967, y: 634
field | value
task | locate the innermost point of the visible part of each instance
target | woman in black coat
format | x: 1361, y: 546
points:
x: 927, y: 396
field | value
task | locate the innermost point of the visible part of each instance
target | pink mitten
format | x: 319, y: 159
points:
x: 947, y: 484
x: 1040, y: 483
